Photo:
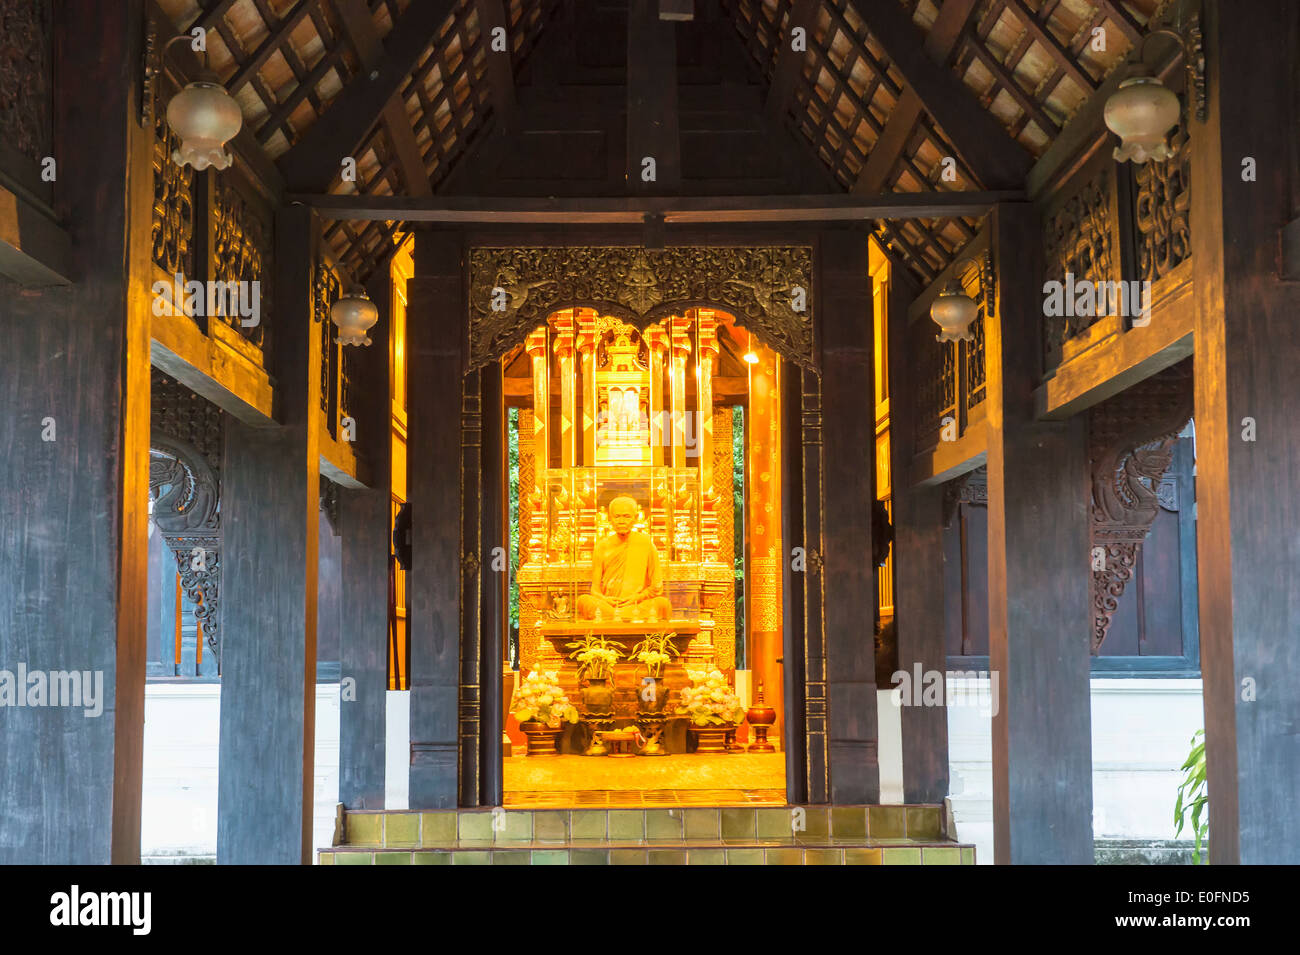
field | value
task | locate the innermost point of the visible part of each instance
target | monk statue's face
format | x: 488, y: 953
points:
x: 622, y: 515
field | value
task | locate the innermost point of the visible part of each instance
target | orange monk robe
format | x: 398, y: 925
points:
x: 626, y: 568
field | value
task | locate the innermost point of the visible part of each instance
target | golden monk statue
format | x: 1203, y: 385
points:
x: 626, y: 580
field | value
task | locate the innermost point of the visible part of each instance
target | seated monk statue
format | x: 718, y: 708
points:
x: 626, y: 580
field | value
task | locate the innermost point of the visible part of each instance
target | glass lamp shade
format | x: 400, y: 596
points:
x: 953, y: 311
x: 205, y: 117
x: 354, y: 314
x: 1141, y: 112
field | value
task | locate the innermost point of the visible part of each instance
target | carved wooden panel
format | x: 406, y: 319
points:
x: 241, y: 248
x: 935, y: 383
x: 173, y: 205
x: 325, y: 289
x: 25, y: 94
x: 1080, y: 239
x: 1161, y: 205
x: 768, y: 289
x: 1131, y: 440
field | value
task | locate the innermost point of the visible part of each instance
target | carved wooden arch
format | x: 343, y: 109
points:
x: 1131, y: 441
x: 187, y: 512
x: 769, y: 290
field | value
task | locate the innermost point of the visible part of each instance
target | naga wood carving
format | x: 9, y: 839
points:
x: 1130, y: 447
x: 768, y: 289
x: 184, y: 480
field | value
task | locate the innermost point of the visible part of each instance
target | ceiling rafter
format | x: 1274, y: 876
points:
x: 996, y: 159
x: 939, y: 44
x: 359, y: 29
x: 313, y: 162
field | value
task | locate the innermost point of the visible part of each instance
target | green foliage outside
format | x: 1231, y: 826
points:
x: 1193, y: 796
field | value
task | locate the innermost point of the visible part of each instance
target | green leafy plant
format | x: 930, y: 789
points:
x: 1193, y: 796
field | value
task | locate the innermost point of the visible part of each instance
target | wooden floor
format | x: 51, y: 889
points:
x: 737, y: 779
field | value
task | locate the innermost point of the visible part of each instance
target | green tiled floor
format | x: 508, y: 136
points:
x: 790, y: 835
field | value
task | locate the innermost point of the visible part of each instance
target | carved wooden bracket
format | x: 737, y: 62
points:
x: 184, y: 481
x: 970, y: 488
x: 1130, y: 447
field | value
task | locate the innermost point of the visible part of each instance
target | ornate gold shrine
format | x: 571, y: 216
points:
x: 611, y: 418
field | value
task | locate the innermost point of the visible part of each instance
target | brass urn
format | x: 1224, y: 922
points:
x: 761, y: 717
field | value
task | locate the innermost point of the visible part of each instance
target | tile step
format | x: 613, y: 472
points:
x: 616, y: 853
x: 544, y: 829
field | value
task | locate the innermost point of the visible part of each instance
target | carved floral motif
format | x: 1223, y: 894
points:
x: 173, y: 205
x: 512, y: 291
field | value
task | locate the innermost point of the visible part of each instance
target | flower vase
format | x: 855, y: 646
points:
x: 710, y: 739
x: 541, y: 738
x: 598, y: 697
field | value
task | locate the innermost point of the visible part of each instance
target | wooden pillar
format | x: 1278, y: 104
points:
x: 364, y: 517
x: 1247, y: 443
x: 495, y: 583
x: 74, y: 459
x: 803, y: 762
x: 918, y: 570
x: 473, y: 555
x: 848, y: 443
x: 435, y: 317
x: 270, y: 513
x: 1039, y: 604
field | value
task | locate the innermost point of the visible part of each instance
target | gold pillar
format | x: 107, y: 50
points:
x: 763, y: 533
x: 536, y: 346
x: 657, y: 340
x: 564, y: 352
x: 680, y: 343
x: 707, y: 336
x: 586, y: 347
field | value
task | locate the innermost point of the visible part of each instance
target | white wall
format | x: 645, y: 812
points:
x: 1141, y: 734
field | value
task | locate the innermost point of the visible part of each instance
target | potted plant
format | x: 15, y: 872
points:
x: 596, y: 659
x: 713, y: 708
x: 655, y: 652
x: 542, y: 709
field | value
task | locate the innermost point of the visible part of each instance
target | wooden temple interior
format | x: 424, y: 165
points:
x: 654, y: 368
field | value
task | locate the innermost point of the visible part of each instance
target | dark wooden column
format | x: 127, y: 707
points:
x: 848, y: 444
x: 918, y: 568
x: 494, y: 594
x: 74, y: 457
x: 364, y: 524
x: 270, y: 512
x: 1247, y: 491
x: 1039, y: 607
x: 472, y: 559
x: 795, y: 735
x: 436, y: 315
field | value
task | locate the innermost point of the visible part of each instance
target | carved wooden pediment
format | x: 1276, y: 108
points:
x: 768, y: 289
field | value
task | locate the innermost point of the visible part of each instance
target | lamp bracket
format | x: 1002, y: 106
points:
x: 1192, y: 43
x: 151, y: 65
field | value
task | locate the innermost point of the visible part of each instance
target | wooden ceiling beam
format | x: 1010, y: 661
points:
x: 499, y: 68
x: 984, y: 145
x: 683, y: 210
x: 359, y: 29
x: 313, y: 162
x: 939, y: 44
x: 803, y: 13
